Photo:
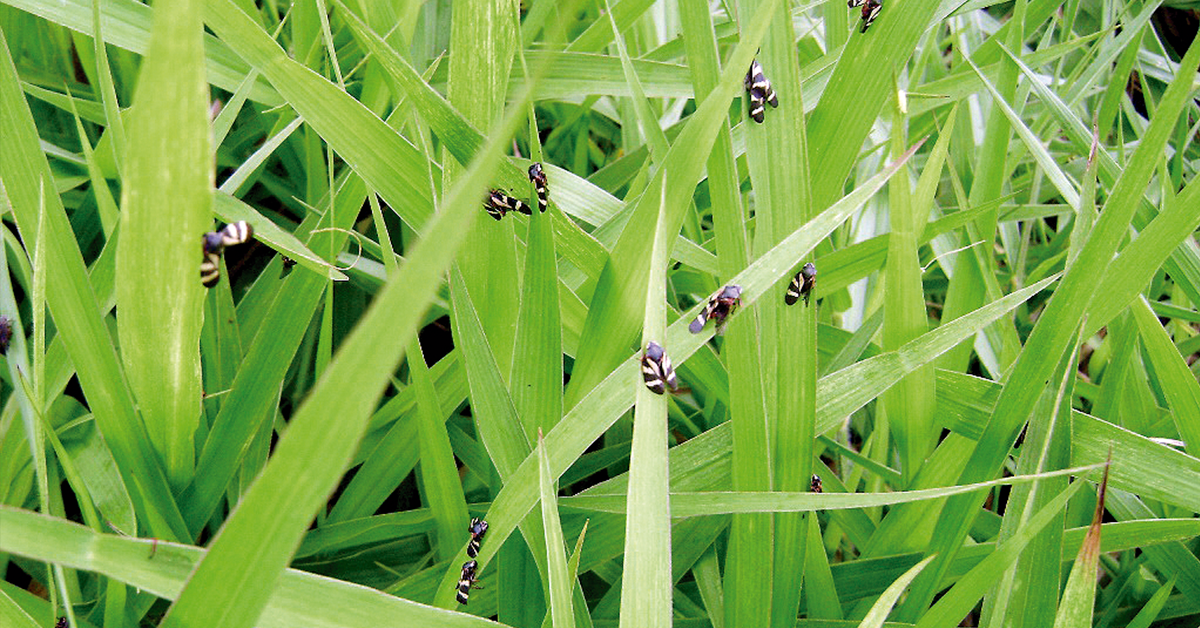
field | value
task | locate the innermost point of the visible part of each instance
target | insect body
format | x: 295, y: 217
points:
x: 802, y: 284
x: 61, y: 623
x: 870, y: 11
x: 719, y: 306
x: 498, y: 203
x: 760, y: 91
x: 215, y: 243
x: 477, y: 528
x: 466, y: 581
x: 814, y: 485
x: 538, y: 177
x: 657, y: 371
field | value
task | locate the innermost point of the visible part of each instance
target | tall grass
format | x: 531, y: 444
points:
x: 999, y: 199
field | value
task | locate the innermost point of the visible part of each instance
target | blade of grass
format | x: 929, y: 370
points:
x: 611, y: 322
x: 883, y: 606
x: 127, y: 25
x: 646, y: 570
x: 228, y: 588
x: 1079, y: 594
x: 169, y: 166
x: 25, y: 174
x: 439, y: 473
x: 560, y: 584
x: 1176, y: 380
x: 959, y: 600
x: 1054, y: 329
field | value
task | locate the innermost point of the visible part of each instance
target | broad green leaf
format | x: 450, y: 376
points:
x: 166, y: 206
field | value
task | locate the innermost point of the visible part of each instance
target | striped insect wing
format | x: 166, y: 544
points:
x: 538, y: 176
x: 870, y: 11
x: 477, y: 528
x: 702, y: 317
x: 466, y: 580
x: 758, y: 88
x: 654, y: 368
x: 236, y: 233
x: 854, y: 4
x: 494, y: 204
x: 210, y: 270
x: 5, y: 334
x: 815, y: 484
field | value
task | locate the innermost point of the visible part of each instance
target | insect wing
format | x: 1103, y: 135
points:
x: 793, y: 292
x: 656, y: 369
x: 236, y: 233
x: 210, y: 270
x: 538, y: 176
x: 815, y: 484
x: 466, y: 580
x: 854, y: 4
x: 870, y: 11
x: 702, y: 318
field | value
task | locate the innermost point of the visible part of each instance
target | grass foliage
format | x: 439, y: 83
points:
x: 999, y: 199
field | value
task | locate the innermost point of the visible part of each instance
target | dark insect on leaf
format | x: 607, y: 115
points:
x: 5, y: 334
x: 61, y: 623
x: 814, y: 485
x: 657, y: 371
x: 760, y: 91
x: 802, y: 284
x: 719, y: 306
x: 498, y: 203
x: 538, y: 176
x: 477, y: 528
x: 466, y: 581
x: 288, y: 263
x: 870, y: 11
x: 214, y: 243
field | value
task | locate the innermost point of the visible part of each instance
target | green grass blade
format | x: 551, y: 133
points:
x: 166, y: 206
x: 443, y: 488
x: 25, y: 175
x: 255, y: 386
x: 1055, y: 328
x: 611, y: 325
x: 560, y: 584
x: 229, y: 587
x: 1079, y: 593
x: 1174, y: 377
x: 957, y: 602
x: 646, y: 574
x: 880, y: 609
x: 387, y: 161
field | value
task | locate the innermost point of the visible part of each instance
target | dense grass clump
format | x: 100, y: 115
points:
x: 518, y: 312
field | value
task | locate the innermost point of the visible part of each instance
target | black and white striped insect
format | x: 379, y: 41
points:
x: 657, y: 371
x: 498, y: 203
x: 802, y: 284
x: 466, y: 581
x: 538, y: 177
x: 5, y: 334
x: 870, y: 11
x: 719, y: 306
x: 760, y: 91
x: 215, y: 243
x: 477, y: 528
x: 814, y: 484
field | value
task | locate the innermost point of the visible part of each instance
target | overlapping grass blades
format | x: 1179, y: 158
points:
x: 1046, y: 233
